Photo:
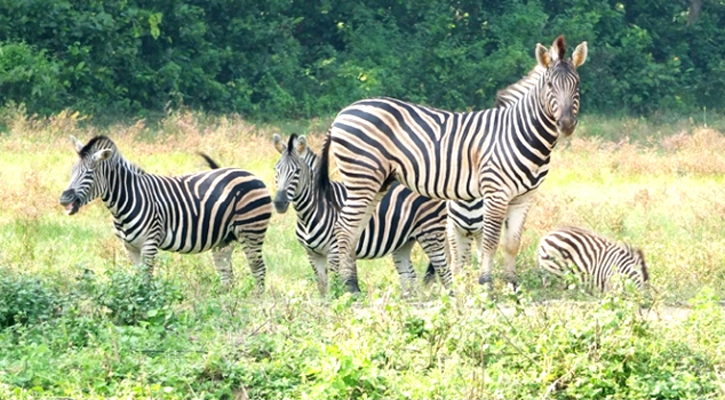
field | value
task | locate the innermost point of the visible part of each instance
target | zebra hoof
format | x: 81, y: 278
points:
x: 485, y: 279
x: 352, y: 286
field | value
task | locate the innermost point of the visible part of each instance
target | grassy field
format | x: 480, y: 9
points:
x: 78, y: 321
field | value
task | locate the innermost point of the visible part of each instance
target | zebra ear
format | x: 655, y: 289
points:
x: 579, y: 55
x: 542, y: 56
x: 77, y: 145
x: 301, y: 145
x: 102, y: 155
x: 558, y: 49
x: 278, y: 143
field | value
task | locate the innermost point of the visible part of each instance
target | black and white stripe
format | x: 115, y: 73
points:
x: 185, y: 214
x: 594, y: 259
x: 465, y: 218
x: 400, y: 219
x: 500, y: 155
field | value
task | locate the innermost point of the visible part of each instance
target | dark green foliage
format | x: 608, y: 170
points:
x: 25, y: 299
x: 133, y: 297
x: 299, y: 59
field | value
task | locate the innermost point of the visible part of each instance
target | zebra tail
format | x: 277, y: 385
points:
x: 325, y: 193
x: 212, y: 163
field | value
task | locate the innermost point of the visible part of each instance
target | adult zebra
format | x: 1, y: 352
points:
x: 185, y: 214
x: 401, y: 219
x: 593, y: 258
x: 465, y: 218
x: 500, y: 155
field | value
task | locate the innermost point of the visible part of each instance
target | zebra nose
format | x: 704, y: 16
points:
x: 566, y: 124
x: 280, y: 202
x: 67, y: 197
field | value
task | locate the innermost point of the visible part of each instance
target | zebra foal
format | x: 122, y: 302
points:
x: 593, y: 258
x: 500, y: 155
x: 185, y: 214
x: 401, y: 219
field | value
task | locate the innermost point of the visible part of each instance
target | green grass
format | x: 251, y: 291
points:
x: 89, y: 326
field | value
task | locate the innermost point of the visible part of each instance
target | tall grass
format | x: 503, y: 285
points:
x: 90, y: 329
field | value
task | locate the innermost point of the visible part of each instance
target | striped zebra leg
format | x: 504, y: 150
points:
x: 354, y: 217
x: 435, y: 249
x: 513, y: 227
x: 493, y: 218
x: 460, y: 247
x: 319, y: 266
x: 222, y: 258
x: 401, y: 259
x: 252, y: 246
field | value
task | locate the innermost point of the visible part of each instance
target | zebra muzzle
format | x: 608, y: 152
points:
x: 280, y: 202
x: 70, y: 202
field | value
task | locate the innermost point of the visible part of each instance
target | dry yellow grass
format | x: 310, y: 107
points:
x: 664, y: 197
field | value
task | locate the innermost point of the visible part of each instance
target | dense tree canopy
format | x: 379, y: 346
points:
x: 278, y: 59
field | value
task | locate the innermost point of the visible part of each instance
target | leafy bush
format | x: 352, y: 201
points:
x: 25, y: 299
x: 133, y: 298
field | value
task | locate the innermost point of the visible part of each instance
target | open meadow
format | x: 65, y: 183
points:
x: 78, y: 321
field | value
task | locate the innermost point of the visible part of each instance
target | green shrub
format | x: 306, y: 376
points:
x: 25, y: 299
x: 133, y: 298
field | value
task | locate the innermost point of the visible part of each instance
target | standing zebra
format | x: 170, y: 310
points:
x: 185, y: 214
x: 401, y: 218
x: 591, y: 257
x: 465, y: 218
x: 500, y: 155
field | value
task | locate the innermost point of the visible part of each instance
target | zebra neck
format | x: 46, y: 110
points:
x: 310, y: 211
x: 535, y: 128
x: 124, y: 188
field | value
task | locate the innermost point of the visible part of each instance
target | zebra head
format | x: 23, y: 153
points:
x: 86, y: 180
x: 560, y: 95
x: 639, y: 265
x: 288, y: 169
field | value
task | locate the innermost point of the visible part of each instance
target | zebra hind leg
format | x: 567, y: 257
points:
x: 401, y: 259
x: 252, y: 246
x: 434, y: 246
x: 222, y: 258
x: 353, y: 219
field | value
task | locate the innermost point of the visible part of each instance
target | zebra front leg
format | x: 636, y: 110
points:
x: 493, y: 217
x: 513, y: 227
x: 222, y: 258
x: 319, y: 266
x: 406, y: 273
x: 460, y: 247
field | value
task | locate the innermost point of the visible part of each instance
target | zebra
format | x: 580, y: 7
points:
x: 185, y: 214
x: 401, y: 219
x: 500, y: 155
x: 465, y: 218
x: 591, y: 257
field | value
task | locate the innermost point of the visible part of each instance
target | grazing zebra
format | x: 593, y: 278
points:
x: 500, y: 155
x: 185, y: 214
x: 465, y: 218
x: 591, y: 257
x: 401, y: 219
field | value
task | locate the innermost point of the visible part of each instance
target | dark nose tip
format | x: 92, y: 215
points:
x: 67, y: 197
x: 280, y: 202
x: 566, y: 124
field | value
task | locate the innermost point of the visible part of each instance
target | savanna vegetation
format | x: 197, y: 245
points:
x: 78, y: 321
x: 165, y: 79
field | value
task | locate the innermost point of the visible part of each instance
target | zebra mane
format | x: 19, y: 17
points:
x: 291, y: 143
x: 514, y: 92
x: 104, y: 142
x: 97, y: 142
